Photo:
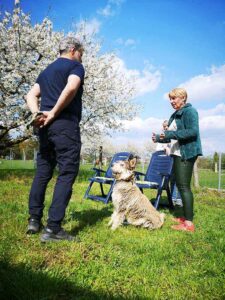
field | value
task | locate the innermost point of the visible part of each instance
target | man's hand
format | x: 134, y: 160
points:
x: 43, y: 119
x: 39, y: 121
x: 49, y: 116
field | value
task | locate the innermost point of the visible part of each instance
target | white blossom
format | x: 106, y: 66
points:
x: 26, y: 49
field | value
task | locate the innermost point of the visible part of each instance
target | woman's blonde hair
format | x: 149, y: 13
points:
x: 178, y: 92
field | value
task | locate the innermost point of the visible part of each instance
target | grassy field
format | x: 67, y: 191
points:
x: 130, y: 263
x: 16, y: 164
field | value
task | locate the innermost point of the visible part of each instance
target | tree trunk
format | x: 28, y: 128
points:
x: 195, y: 174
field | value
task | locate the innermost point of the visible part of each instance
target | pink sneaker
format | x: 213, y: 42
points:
x: 179, y: 220
x: 184, y: 227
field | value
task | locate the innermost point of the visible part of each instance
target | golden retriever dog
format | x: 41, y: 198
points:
x: 129, y: 202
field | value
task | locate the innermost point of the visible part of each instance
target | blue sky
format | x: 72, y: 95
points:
x: 169, y: 43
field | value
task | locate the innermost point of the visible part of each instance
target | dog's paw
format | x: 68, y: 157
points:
x: 162, y: 217
x: 114, y: 227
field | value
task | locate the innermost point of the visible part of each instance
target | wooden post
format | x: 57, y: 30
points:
x: 100, y: 156
x: 195, y: 173
x: 216, y: 167
x: 219, y: 173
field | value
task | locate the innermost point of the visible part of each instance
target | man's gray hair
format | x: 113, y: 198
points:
x: 69, y: 42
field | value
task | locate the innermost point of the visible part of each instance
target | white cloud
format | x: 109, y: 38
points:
x: 212, y: 130
x: 217, y: 110
x: 143, y: 126
x: 127, y: 42
x: 213, y: 143
x: 212, y: 123
x: 152, y: 124
x: 110, y: 9
x: 146, y: 81
x: 138, y: 134
x: 90, y: 27
x: 207, y: 86
x: 107, y: 11
x: 116, y: 2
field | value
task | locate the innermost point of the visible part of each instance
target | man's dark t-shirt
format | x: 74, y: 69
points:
x: 52, y: 82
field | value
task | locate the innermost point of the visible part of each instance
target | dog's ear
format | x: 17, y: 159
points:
x: 132, y: 163
x: 131, y: 156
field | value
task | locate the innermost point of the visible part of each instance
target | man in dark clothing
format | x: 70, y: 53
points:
x: 60, y: 89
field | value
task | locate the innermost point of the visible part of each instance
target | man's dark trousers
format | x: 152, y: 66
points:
x: 59, y: 144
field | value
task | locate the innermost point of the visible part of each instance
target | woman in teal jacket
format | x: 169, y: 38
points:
x: 183, y: 133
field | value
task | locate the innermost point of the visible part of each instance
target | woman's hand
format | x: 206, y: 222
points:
x: 162, y: 136
x: 154, y: 137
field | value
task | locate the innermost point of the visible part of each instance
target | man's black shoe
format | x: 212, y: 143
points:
x: 49, y: 236
x: 34, y: 226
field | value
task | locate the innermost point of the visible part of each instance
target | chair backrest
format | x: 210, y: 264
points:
x: 159, y: 163
x: 116, y: 157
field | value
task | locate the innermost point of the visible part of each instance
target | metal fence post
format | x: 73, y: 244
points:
x: 219, y: 173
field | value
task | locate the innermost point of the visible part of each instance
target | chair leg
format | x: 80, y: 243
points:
x: 102, y: 190
x: 159, y: 193
x: 109, y: 193
x: 105, y: 198
x: 88, y: 190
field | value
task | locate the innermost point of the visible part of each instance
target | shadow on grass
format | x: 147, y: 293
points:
x: 176, y: 211
x: 21, y: 283
x: 92, y: 216
x: 89, y: 217
x: 163, y: 203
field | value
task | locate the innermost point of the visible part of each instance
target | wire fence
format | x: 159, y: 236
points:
x: 211, y: 174
x: 213, y: 177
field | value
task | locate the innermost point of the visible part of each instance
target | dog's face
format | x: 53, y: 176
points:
x: 123, y: 169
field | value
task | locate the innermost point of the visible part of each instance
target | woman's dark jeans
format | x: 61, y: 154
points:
x: 183, y: 172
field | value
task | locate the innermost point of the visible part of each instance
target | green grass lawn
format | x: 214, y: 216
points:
x: 130, y: 263
x: 16, y: 164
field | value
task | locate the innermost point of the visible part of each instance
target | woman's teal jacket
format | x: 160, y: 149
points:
x: 187, y: 132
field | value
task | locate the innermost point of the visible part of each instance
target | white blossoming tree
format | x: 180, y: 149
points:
x: 26, y: 49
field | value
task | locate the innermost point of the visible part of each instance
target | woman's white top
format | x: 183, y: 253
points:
x: 160, y: 146
x: 174, y: 146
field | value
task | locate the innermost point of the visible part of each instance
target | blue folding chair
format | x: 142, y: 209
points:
x: 107, y: 179
x: 157, y: 176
